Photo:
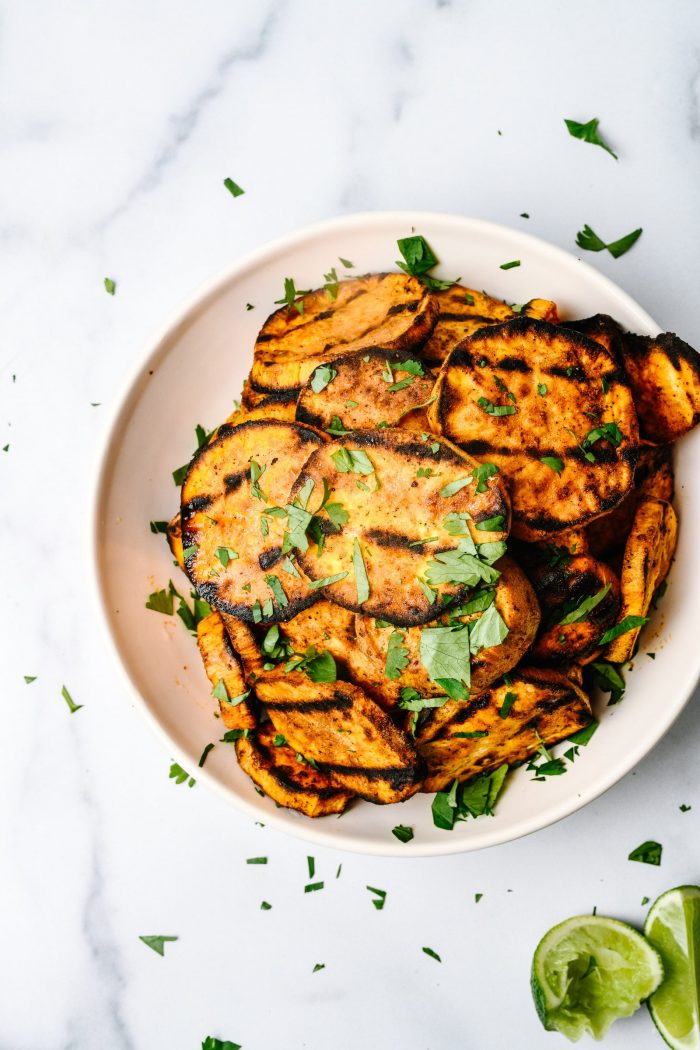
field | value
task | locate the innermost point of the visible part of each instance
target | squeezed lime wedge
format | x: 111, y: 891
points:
x: 673, y: 928
x: 590, y: 970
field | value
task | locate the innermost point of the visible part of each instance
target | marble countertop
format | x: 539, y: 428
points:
x: 118, y: 126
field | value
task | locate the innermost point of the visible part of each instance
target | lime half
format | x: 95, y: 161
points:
x: 588, y: 971
x: 673, y: 927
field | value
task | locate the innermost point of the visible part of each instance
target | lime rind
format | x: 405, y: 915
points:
x: 673, y: 927
x: 589, y: 971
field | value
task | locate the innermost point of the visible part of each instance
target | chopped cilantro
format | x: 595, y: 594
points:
x: 293, y: 297
x: 510, y: 265
x: 495, y: 410
x: 607, y: 677
x: 476, y: 798
x: 542, y: 389
x: 361, y: 578
x: 380, y: 897
x: 419, y: 258
x: 647, y: 853
x: 72, y: 707
x: 265, y: 906
x: 311, y: 887
x: 396, y: 656
x: 29, y: 678
x: 553, y: 462
x: 591, y: 242
x: 256, y: 860
x: 211, y: 1043
x: 628, y: 623
x: 318, y: 966
x: 322, y: 376
x: 233, y: 188
x: 180, y: 775
x: 352, y: 461
x: 203, y: 756
x: 508, y: 701
x: 402, y: 833
x: 159, y: 527
x: 110, y: 286
x: 683, y: 808
x: 336, y: 427
x: 584, y: 607
x: 584, y: 735
x: 157, y: 942
x: 432, y: 954
x: 346, y: 263
x: 327, y: 581
x: 445, y: 654
x: 588, y: 133
x: 494, y: 524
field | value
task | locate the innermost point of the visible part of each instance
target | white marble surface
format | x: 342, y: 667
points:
x: 118, y: 124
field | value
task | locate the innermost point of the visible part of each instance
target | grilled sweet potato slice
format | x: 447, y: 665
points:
x: 389, y: 310
x: 603, y: 329
x: 324, y: 625
x: 221, y: 665
x: 546, y: 707
x: 664, y: 374
x: 461, y: 312
x: 366, y: 388
x: 653, y: 477
x: 527, y: 391
x: 514, y: 599
x: 288, y: 781
x: 562, y: 590
x: 649, y: 550
x: 543, y: 309
x: 389, y: 483
x: 174, y: 537
x: 243, y: 471
x: 271, y: 406
x: 345, y: 732
x: 245, y: 645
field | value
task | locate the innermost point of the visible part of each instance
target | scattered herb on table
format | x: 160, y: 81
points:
x: 157, y: 941
x: 647, y: 853
x: 419, y: 258
x: 110, y: 286
x: 380, y: 897
x: 588, y: 132
x: 432, y: 954
x: 233, y: 188
x: 591, y: 242
x: 69, y: 700
x: 179, y: 775
x: 510, y: 265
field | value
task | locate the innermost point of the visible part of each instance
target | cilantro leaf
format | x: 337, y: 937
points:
x: 225, y: 555
x: 591, y: 242
x: 361, y: 579
x: 352, y: 461
x: 318, y: 667
x: 584, y: 735
x: 161, y: 601
x: 627, y: 623
x: 337, y: 428
x: 402, y: 833
x: 489, y: 630
x: 396, y: 656
x: 584, y: 607
x: 419, y: 258
x: 157, y: 942
x: 588, y: 133
x: 179, y: 775
x: 380, y: 896
x: 322, y: 376
x: 495, y: 410
x: 327, y: 581
x: 211, y: 1043
x: 647, y: 853
x: 445, y: 653
x: 553, y: 462
x: 460, y: 566
x: 293, y: 296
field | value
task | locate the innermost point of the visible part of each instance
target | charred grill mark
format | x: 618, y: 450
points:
x: 232, y: 482
x: 269, y: 557
x: 403, y: 447
x: 513, y: 364
x: 462, y: 356
x: 384, y: 538
x: 467, y: 317
x: 478, y: 447
x: 398, y: 776
x: 338, y: 702
x: 193, y: 506
x: 264, y: 338
x: 290, y: 392
x: 324, y: 315
x: 244, y: 611
x: 549, y: 706
x: 208, y: 591
x: 572, y: 372
x: 400, y: 308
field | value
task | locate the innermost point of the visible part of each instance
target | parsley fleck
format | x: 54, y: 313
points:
x: 588, y: 133
x: 380, y: 897
x: 110, y: 286
x: 179, y: 775
x: 265, y: 906
x: 346, y: 263
x: 256, y: 860
x: 327, y: 581
x: 683, y: 808
x: 490, y: 409
x: 402, y: 833
x: 510, y: 265
x: 211, y: 1043
x: 432, y: 954
x: 233, y: 188
x: 203, y: 756
x: 542, y: 389
x: 524, y: 215
x: 477, y: 897
x: 318, y: 966
x: 157, y: 942
x: 647, y: 853
x: 29, y: 678
x: 69, y: 700
x: 311, y: 887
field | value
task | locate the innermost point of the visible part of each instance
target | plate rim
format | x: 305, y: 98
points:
x: 105, y: 456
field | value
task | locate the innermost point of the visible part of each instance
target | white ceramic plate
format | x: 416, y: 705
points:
x: 192, y: 372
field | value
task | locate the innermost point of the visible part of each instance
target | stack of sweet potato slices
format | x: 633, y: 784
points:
x: 369, y: 636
